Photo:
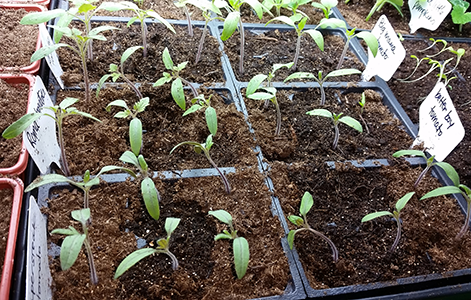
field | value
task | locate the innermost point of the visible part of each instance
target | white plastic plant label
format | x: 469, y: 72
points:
x: 40, y: 138
x: 38, y: 275
x: 390, y: 54
x: 428, y: 14
x: 440, y: 128
x: 52, y: 59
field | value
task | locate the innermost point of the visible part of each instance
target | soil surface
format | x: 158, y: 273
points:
x: 164, y: 128
x: 138, y: 69
x: 309, y: 138
x: 355, y: 13
x: 263, y: 49
x: 342, y: 197
x: 206, y: 266
x: 6, y: 198
x: 18, y: 41
x: 14, y: 104
x: 411, y: 95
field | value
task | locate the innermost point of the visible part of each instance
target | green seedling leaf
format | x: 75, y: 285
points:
x: 284, y: 19
x: 444, y: 190
x: 162, y: 80
x: 192, y: 109
x: 70, y: 250
x: 168, y: 62
x: 171, y: 224
x: 65, y: 231
x: 177, y: 93
x: 276, y: 67
x: 254, y: 84
x: 342, y: 72
x: 375, y: 215
x: 459, y: 14
x: 317, y: 37
x: 67, y: 102
x: 298, y: 221
x: 409, y: 152
x: 222, y: 216
x: 450, y: 172
x: 181, y: 66
x: 142, y: 163
x: 306, y: 203
x: 118, y: 103
x: 20, y: 125
x: 151, y: 197
x: 141, y: 105
x: 291, y: 235
x: 403, y: 201
x: 332, y: 23
x: 370, y: 41
x: 132, y: 259
x: 156, y: 16
x: 352, y: 123
x: 106, y: 169
x: 261, y: 96
x: 300, y: 75
x: 241, y: 256
x: 45, y: 51
x: 129, y: 52
x: 223, y: 236
x: 135, y: 135
x: 320, y: 112
x: 101, y: 82
x: 209, y: 142
x: 211, y: 120
x: 41, y: 17
x: 230, y: 25
x: 81, y: 215
x: 47, y: 179
x: 83, y: 114
x: 130, y: 158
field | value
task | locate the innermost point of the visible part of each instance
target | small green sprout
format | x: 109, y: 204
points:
x: 198, y: 147
x: 435, y: 64
x: 233, y: 20
x: 116, y: 73
x: 141, y: 15
x: 320, y: 80
x: 72, y: 243
x: 149, y: 192
x: 380, y: 3
x: 430, y: 162
x: 83, y: 11
x: 306, y: 204
x: 207, y: 10
x: 336, y: 119
x: 459, y: 15
x: 163, y: 246
x: 135, y: 126
x: 395, y: 214
x: 182, y: 4
x: 177, y: 85
x: 240, y: 246
x: 277, y: 4
x: 326, y: 6
x: 368, y: 37
x: 362, y: 104
x: 201, y: 102
x: 456, y: 188
x: 59, y: 113
x: 299, y: 28
x: 268, y: 93
x: 86, y: 185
